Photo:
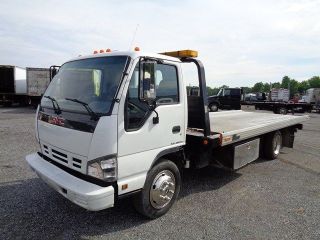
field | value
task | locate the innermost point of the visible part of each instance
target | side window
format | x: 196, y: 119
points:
x: 167, y: 84
x: 227, y: 92
x: 166, y: 91
x: 235, y: 92
x: 136, y: 110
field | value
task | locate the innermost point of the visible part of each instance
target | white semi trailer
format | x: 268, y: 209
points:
x: 38, y: 80
x: 120, y: 124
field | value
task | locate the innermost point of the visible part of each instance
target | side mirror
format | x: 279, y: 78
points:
x: 53, y: 71
x: 147, y: 88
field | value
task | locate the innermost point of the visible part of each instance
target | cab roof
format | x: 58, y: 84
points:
x: 132, y: 54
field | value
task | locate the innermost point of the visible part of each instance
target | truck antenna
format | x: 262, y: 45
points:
x: 134, y: 36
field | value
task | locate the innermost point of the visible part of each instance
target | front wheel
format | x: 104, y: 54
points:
x: 160, y: 190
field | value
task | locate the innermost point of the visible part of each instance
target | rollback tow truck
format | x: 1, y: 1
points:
x: 117, y: 124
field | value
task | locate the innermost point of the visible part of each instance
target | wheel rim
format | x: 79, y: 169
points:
x: 213, y: 107
x: 162, y: 189
x: 283, y: 111
x: 277, y: 144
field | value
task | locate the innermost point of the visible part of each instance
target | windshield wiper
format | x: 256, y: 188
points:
x: 93, y: 115
x: 56, y: 109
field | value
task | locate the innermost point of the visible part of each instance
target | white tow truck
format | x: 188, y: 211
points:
x: 118, y: 124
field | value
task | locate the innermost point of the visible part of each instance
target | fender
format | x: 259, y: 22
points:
x: 163, y: 153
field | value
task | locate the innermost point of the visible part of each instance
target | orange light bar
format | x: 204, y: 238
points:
x: 182, y: 53
x: 95, y: 52
x: 101, y: 51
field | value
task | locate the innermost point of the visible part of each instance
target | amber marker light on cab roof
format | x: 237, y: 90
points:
x: 95, y: 52
x: 101, y: 51
x: 137, y: 49
x: 108, y: 50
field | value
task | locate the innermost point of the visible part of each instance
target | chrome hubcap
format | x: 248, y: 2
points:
x: 213, y: 108
x: 162, y: 189
x: 283, y: 111
x: 277, y: 144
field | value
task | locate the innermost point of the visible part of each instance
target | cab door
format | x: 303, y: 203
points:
x: 140, y: 140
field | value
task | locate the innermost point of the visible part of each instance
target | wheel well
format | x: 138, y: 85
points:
x: 175, y: 155
x: 214, y: 102
x: 287, y: 136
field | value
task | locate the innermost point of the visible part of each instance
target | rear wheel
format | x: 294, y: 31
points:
x: 272, y: 145
x: 282, y: 110
x: 213, y: 107
x: 160, y: 191
x: 7, y: 104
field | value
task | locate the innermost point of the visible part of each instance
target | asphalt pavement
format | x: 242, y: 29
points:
x: 277, y: 199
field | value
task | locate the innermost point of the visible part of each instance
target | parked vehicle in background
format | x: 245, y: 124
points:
x: 254, y: 97
x: 38, y: 80
x: 277, y: 101
x: 227, y: 98
x: 279, y: 95
x: 312, y: 97
x: 13, y: 85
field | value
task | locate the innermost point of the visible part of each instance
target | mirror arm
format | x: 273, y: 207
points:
x: 156, y: 118
x: 153, y: 108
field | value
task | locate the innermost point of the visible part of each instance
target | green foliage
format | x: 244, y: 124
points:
x: 276, y: 85
x: 258, y: 87
x: 314, y: 82
x: 303, y: 86
x: 266, y: 87
x: 247, y: 90
x: 287, y: 82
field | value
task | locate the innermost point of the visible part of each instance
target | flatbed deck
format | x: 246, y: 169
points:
x: 234, y: 126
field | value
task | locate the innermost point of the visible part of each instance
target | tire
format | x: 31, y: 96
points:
x: 7, y: 104
x: 272, y: 145
x: 213, y: 107
x: 163, y: 177
x: 282, y: 110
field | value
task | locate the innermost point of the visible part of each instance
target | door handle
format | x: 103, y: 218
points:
x: 176, y: 129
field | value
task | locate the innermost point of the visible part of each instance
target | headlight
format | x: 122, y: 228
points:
x: 105, y: 169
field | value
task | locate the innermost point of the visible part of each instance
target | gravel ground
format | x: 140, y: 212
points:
x: 277, y: 199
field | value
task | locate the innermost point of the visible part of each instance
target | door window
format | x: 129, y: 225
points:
x: 166, y: 90
x: 167, y: 84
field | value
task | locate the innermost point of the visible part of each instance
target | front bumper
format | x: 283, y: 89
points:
x: 85, y: 194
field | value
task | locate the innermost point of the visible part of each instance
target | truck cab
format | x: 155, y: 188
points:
x: 118, y: 124
x: 227, y: 98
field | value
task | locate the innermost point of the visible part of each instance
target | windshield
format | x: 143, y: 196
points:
x: 93, y: 81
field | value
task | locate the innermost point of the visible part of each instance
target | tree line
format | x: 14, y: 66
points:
x: 287, y: 82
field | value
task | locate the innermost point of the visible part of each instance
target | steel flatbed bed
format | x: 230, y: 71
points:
x: 234, y: 126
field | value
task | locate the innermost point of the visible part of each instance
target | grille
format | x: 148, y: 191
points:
x: 63, y: 157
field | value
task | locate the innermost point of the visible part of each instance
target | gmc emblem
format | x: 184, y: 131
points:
x: 56, y: 121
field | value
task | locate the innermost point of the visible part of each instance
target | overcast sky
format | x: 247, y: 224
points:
x: 240, y: 42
